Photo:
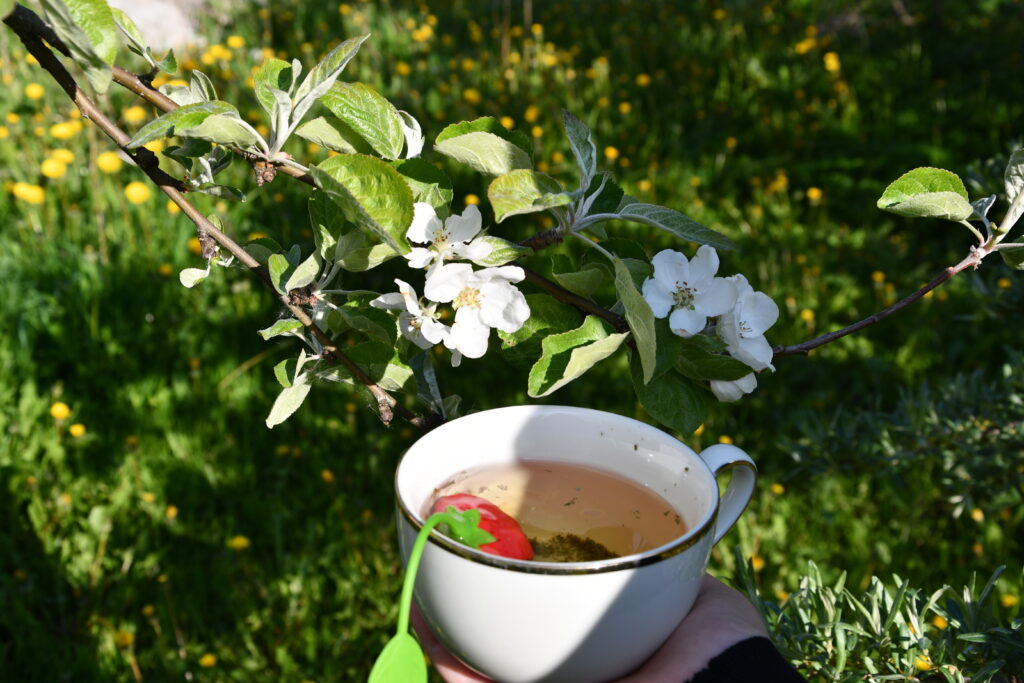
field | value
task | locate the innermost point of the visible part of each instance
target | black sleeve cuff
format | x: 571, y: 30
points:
x: 754, y: 659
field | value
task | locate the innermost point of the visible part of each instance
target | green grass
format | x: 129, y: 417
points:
x: 898, y: 450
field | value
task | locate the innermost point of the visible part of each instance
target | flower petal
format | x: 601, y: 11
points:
x: 445, y: 283
x: 433, y: 331
x: 686, y: 322
x: 425, y: 223
x: 419, y: 257
x: 716, y: 297
x: 392, y: 301
x: 504, y: 307
x: 704, y: 265
x: 670, y: 268
x: 657, y: 297
x: 754, y: 351
x: 759, y: 313
x: 733, y: 391
x: 506, y: 273
x: 474, y: 251
x: 469, y: 335
x: 412, y: 303
x: 465, y: 227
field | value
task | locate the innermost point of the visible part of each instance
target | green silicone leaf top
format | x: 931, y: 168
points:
x: 518, y: 192
x: 88, y: 29
x: 369, y: 114
x: 569, y: 355
x: 583, y: 147
x: 401, y: 661
x: 640, y: 318
x: 189, y: 116
x: 371, y: 193
x: 428, y: 183
x: 676, y: 223
x: 927, y: 193
x: 671, y: 399
x: 463, y: 526
x: 1013, y: 179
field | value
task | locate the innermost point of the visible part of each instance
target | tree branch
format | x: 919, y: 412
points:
x: 32, y: 31
x: 972, y: 260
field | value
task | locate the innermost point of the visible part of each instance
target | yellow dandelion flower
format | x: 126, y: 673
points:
x: 134, y: 115
x: 65, y: 156
x: 531, y: 114
x: 603, y: 102
x: 12, y: 118
x: 831, y: 60
x: 805, y: 46
x: 29, y: 193
x: 625, y: 108
x: 536, y: 131
x: 327, y: 476
x: 1004, y: 283
x: 124, y: 639
x: 698, y: 431
x: 235, y: 42
x: 65, y: 499
x: 239, y: 543
x: 731, y: 142
x: 508, y: 122
x: 60, y: 411
x: 643, y: 80
x: 403, y: 68
x: 978, y: 549
x: 165, y: 270
x: 923, y: 663
x: 725, y: 438
x: 611, y: 153
x: 148, y: 496
x: 344, y: 9
x: 471, y: 199
x: 644, y: 185
x: 940, y: 622
x: 472, y: 95
x: 694, y: 181
x: 137, y: 192
x: 34, y: 91
x: 77, y: 430
x: 814, y: 194
x: 171, y: 512
x: 63, y: 130
x: 172, y: 208
x: 719, y: 14
x: 53, y: 168
x: 557, y: 158
x: 537, y: 29
x: 757, y: 562
x: 878, y: 277
x: 1009, y: 601
x: 193, y: 244
x: 109, y: 162
x: 208, y: 661
x: 777, y: 488
x: 4, y: 132
x: 807, y: 315
x: 195, y: 363
x: 781, y: 595
x: 978, y: 515
x: 148, y: 610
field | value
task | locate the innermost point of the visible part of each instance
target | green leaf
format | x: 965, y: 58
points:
x: 546, y: 316
x: 583, y: 147
x: 332, y: 133
x: 189, y: 116
x: 224, y: 129
x: 190, y: 277
x: 610, y: 197
x: 202, y: 86
x: 487, y: 124
x: 6, y: 7
x: 373, y: 322
x: 354, y: 256
x: 289, y: 400
x: 671, y: 399
x: 136, y: 42
x: 284, y: 371
x: 1014, y: 181
x: 518, y: 192
x: 304, y: 274
x: 1013, y: 256
x: 585, y: 281
x: 322, y: 76
x: 369, y: 114
x: 326, y: 220
x: 567, y: 356
x: 379, y: 361
x: 401, y: 661
x: 88, y: 29
x: 485, y: 152
x: 927, y: 193
x: 676, y: 223
x: 371, y: 193
x: 273, y: 74
x: 669, y: 346
x: 640, y: 318
x: 624, y: 248
x: 283, y: 326
x: 428, y: 183
x: 696, y: 361
x: 502, y: 251
x: 279, y: 268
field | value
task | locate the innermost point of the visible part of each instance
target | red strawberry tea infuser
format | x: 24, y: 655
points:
x: 472, y: 521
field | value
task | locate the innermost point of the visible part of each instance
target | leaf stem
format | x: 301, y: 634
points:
x: 977, y: 233
x: 411, y: 568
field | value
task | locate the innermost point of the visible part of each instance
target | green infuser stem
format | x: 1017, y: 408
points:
x: 405, y: 604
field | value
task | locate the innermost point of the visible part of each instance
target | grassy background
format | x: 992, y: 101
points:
x: 899, y: 450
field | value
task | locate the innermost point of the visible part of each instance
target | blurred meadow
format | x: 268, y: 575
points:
x: 152, y: 528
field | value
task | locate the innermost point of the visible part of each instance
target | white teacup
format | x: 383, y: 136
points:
x: 521, y: 621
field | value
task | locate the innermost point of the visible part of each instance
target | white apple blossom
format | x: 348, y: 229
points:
x: 742, y: 329
x: 447, y: 241
x: 733, y: 391
x: 482, y: 299
x: 689, y: 289
x: 418, y: 323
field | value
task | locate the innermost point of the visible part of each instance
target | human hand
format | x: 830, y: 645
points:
x: 720, y: 618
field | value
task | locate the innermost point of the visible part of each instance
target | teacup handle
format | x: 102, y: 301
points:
x: 722, y: 457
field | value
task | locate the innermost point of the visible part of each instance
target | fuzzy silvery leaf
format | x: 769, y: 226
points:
x: 1013, y: 256
x: 189, y: 116
x: 583, y: 147
x: 284, y: 371
x: 190, y: 277
x: 429, y: 184
x: 1014, y: 182
x: 676, y: 223
x: 487, y: 124
x: 371, y: 193
x: 696, y: 362
x: 379, y: 361
x: 485, y: 152
x: 279, y: 117
x: 283, y: 326
x: 981, y: 208
x: 202, y: 86
x: 583, y: 281
x: 640, y: 317
x: 279, y: 268
x: 334, y: 134
x: 356, y: 256
x: 225, y: 129
x: 501, y: 251
x: 927, y: 193
x: 220, y: 191
x: 181, y: 95
x: 369, y: 114
x: 289, y: 400
x: 273, y: 74
x: 325, y: 219
x: 569, y: 355
x: 128, y: 28
x: 304, y: 274
x: 413, y: 135
x: 520, y: 191
x: 671, y: 399
x: 322, y: 76
x: 373, y: 322
x: 88, y: 29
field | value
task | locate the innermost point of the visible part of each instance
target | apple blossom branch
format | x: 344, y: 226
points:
x: 33, y: 31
